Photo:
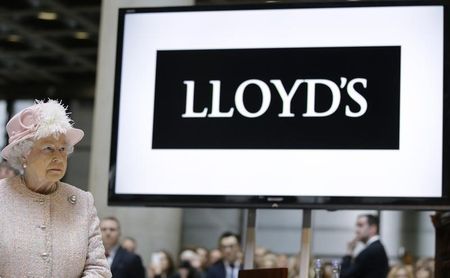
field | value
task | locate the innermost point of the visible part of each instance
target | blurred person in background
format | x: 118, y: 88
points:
x: 430, y: 264
x: 425, y: 263
x: 282, y: 261
x: 423, y: 272
x: 214, y: 256
x: 129, y: 244
x: 123, y: 263
x: 185, y: 270
x: 203, y: 255
x: 260, y: 252
x: 328, y: 269
x: 372, y: 261
x: 269, y: 261
x: 230, y: 264
x: 400, y: 271
x: 47, y: 228
x: 161, y: 265
x: 189, y: 264
x: 294, y: 266
x: 190, y: 255
x: 407, y: 260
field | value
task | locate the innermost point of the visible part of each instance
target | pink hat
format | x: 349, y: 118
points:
x: 38, y: 121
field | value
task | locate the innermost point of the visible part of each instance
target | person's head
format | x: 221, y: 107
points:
x: 203, y: 255
x: 366, y: 227
x: 260, y: 252
x: 400, y: 271
x: 189, y: 256
x: 229, y: 246
x: 214, y: 256
x: 423, y: 272
x: 425, y: 263
x: 129, y: 244
x: 294, y: 266
x: 164, y: 262
x: 269, y: 261
x: 110, y: 228
x: 40, y: 138
x: 282, y: 261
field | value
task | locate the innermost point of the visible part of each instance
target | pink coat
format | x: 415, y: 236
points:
x: 54, y: 235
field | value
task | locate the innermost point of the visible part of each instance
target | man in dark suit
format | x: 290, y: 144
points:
x: 230, y: 264
x: 122, y: 263
x: 372, y: 261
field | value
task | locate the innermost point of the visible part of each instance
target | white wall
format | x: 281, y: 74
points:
x: 203, y: 227
x: 78, y: 169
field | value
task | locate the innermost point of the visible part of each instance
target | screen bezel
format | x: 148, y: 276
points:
x: 289, y: 202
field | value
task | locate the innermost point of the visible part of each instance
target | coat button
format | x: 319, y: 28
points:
x: 41, y: 201
x: 44, y: 255
x: 72, y: 199
x: 42, y: 227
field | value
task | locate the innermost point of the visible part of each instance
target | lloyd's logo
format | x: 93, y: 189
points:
x: 285, y: 96
x: 281, y: 98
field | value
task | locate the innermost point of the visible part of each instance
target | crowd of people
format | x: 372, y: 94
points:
x: 226, y: 260
x: 422, y: 268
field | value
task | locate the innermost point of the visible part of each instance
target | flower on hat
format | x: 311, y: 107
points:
x: 52, y: 119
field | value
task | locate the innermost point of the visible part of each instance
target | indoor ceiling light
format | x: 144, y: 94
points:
x: 81, y: 35
x: 13, y: 38
x: 47, y: 15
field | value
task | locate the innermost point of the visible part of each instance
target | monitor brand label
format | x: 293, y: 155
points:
x: 280, y: 98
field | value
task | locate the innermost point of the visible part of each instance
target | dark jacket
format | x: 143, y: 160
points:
x: 372, y: 262
x: 127, y: 265
x: 217, y: 270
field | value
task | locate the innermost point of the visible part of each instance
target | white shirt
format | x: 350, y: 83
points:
x: 372, y: 240
x: 232, y: 272
x: 363, y: 246
x: 112, y: 254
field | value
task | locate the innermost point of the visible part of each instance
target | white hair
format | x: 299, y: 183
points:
x: 18, y: 151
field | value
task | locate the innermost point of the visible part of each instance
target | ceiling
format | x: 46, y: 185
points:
x: 47, y: 45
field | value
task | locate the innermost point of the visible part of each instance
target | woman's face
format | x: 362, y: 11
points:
x: 47, y: 161
x: 423, y: 273
x: 402, y: 273
x: 163, y: 261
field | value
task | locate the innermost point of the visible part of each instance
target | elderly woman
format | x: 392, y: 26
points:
x: 400, y: 271
x: 47, y: 228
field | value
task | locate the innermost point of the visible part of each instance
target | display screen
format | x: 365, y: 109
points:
x: 318, y: 105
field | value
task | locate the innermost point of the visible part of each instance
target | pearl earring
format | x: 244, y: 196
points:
x: 24, y: 166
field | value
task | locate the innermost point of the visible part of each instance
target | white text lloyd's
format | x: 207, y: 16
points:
x: 285, y: 94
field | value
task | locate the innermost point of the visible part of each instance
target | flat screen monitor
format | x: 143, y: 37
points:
x: 325, y: 105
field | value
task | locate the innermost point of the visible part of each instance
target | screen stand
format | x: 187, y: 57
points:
x: 305, y: 252
x: 250, y: 239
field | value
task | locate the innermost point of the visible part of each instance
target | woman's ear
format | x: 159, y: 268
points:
x: 23, y: 160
